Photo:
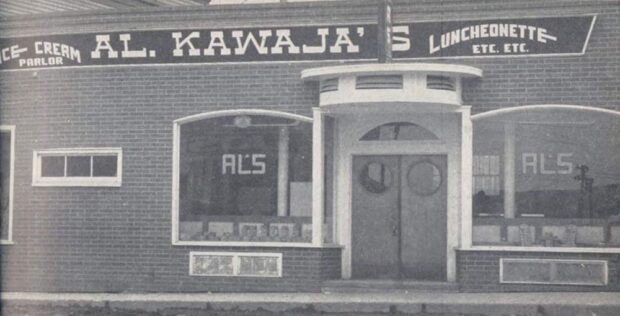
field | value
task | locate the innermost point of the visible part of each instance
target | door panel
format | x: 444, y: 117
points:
x: 375, y: 217
x: 399, y: 217
x: 423, y: 217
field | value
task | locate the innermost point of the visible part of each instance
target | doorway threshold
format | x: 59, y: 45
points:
x: 387, y: 285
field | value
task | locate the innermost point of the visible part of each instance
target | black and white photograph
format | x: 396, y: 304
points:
x: 310, y: 157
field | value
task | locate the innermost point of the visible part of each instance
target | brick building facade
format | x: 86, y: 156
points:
x: 118, y: 238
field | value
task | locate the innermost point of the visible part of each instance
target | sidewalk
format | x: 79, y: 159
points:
x: 376, y: 303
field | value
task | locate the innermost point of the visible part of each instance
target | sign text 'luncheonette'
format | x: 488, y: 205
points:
x: 497, y: 37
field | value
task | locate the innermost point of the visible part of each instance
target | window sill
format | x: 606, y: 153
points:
x: 7, y: 242
x: 69, y: 182
x: 252, y: 244
x: 544, y: 249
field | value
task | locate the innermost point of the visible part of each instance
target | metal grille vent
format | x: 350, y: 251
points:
x: 379, y: 82
x: 440, y: 83
x: 241, y: 264
x: 328, y: 85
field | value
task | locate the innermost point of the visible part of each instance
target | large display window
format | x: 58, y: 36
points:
x: 7, y: 149
x: 245, y: 178
x: 547, y: 176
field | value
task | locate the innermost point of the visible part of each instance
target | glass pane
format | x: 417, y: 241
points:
x: 229, y: 179
x: 564, y: 162
x: 78, y: 166
x: 53, y: 166
x: 424, y: 178
x: 5, y: 179
x: 104, y: 166
x: 376, y: 177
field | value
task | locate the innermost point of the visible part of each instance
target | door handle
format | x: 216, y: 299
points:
x: 394, y: 230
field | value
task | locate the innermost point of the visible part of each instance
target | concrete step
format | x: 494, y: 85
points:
x: 382, y: 286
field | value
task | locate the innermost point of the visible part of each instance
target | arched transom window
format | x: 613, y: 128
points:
x: 399, y: 131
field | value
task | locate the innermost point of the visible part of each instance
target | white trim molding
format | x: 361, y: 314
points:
x: 10, y: 129
x: 538, y: 107
x: 602, y: 250
x: 214, y: 114
x: 81, y: 181
x: 318, y: 176
x: 393, y: 68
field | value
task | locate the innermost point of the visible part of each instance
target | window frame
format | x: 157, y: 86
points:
x: 552, y: 273
x: 469, y: 223
x: 176, y: 160
x: 66, y: 181
x: 10, y: 129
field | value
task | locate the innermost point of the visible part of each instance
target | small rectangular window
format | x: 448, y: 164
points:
x: 486, y: 173
x: 77, y: 167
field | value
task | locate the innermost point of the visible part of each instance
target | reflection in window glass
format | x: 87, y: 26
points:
x: 53, y: 166
x: 78, y: 166
x: 230, y: 168
x: 376, y: 177
x: 424, y: 178
x: 565, y: 175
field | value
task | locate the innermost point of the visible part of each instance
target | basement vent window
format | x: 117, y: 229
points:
x: 329, y: 85
x: 440, y: 83
x: 379, y: 82
x: 78, y: 167
x: 235, y: 264
x: 553, y: 271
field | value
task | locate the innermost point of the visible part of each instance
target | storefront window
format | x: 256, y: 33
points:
x: 245, y: 178
x: 6, y: 176
x: 547, y: 176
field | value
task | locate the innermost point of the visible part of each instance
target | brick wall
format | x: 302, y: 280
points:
x: 167, y: 270
x: 67, y: 236
x: 478, y: 271
x: 113, y: 239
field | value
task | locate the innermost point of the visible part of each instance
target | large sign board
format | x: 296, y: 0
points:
x: 451, y: 39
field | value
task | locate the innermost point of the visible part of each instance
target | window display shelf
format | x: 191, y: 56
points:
x: 248, y: 228
x: 547, y: 232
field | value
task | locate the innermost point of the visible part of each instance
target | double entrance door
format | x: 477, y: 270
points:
x: 399, y: 217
